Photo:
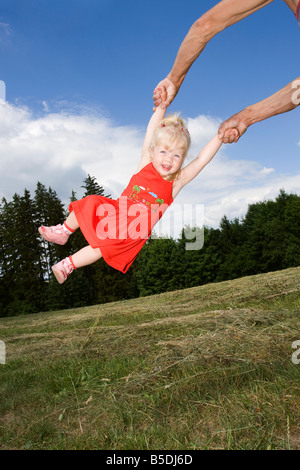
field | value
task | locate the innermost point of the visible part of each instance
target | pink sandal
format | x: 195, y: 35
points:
x: 62, y: 270
x: 54, y: 234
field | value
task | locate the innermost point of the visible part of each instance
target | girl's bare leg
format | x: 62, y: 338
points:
x: 86, y: 256
x: 83, y: 257
x: 71, y: 221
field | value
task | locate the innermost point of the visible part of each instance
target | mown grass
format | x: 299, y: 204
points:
x: 203, y: 368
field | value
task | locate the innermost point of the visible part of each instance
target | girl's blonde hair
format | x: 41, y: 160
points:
x: 171, y: 129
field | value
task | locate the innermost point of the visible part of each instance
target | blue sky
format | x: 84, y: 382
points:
x: 84, y: 70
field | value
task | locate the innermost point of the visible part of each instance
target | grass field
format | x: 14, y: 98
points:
x: 203, y: 368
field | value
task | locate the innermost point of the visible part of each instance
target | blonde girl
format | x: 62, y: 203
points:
x: 116, y: 230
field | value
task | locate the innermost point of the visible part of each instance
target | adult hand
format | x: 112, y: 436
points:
x: 232, y: 129
x: 171, y: 92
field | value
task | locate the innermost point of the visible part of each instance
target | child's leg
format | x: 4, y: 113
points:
x: 86, y: 256
x: 71, y: 222
x: 83, y: 257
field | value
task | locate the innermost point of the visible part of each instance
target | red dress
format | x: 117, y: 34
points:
x: 121, y: 227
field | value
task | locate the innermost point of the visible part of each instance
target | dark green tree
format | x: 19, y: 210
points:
x: 231, y: 249
x: 92, y: 187
x: 22, y: 272
x: 49, y: 211
x: 160, y: 267
x: 292, y: 231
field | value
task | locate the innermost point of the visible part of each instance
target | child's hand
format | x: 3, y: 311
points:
x: 232, y: 129
x: 161, y: 96
x: 230, y: 136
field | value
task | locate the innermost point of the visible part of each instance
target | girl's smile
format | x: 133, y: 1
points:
x: 167, y: 160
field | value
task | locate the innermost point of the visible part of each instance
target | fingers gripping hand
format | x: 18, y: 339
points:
x: 231, y: 130
x: 230, y: 136
x: 161, y: 95
x: 168, y: 97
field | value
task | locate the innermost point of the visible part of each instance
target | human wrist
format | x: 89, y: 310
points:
x: 176, y: 79
x: 246, y: 116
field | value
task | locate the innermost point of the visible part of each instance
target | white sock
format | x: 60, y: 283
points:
x: 68, y: 232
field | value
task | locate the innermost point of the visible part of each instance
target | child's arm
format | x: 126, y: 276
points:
x: 193, y: 169
x: 153, y: 124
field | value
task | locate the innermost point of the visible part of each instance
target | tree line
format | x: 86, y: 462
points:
x: 267, y: 238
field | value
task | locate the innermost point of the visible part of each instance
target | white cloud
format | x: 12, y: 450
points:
x: 5, y: 35
x: 5, y: 29
x: 59, y: 150
x: 45, y: 106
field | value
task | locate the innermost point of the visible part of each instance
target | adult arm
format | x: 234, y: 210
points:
x: 284, y: 100
x: 222, y: 15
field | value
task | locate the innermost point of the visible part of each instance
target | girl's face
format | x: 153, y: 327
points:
x: 167, y: 160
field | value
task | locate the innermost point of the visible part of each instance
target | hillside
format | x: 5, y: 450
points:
x: 208, y: 367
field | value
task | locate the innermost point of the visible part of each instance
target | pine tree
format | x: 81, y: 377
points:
x: 291, y: 221
x: 6, y: 255
x: 49, y: 211
x: 232, y: 240
x: 160, y: 267
x: 92, y: 187
x: 22, y: 275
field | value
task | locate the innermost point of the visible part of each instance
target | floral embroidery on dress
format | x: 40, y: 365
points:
x: 144, y: 196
